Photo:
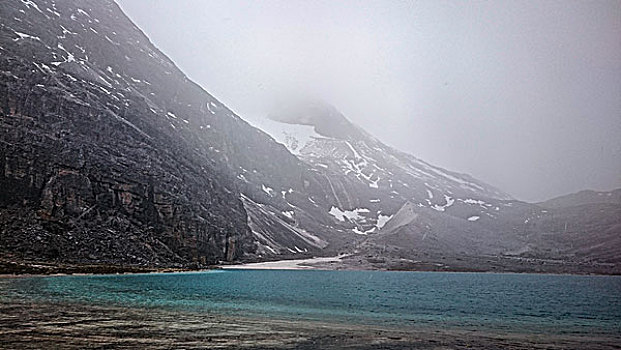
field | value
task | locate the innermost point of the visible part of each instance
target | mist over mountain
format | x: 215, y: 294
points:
x: 111, y: 154
x: 411, y: 215
x: 522, y: 95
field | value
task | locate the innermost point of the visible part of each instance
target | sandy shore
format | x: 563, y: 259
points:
x: 296, y: 264
x: 27, y: 325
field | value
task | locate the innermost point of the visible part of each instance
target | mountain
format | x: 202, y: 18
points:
x: 361, y: 173
x: 583, y: 198
x: 409, y: 214
x: 111, y: 155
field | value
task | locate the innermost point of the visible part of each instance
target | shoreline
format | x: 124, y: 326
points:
x: 288, y: 264
x: 12, y: 268
x: 47, y: 269
x: 78, y: 325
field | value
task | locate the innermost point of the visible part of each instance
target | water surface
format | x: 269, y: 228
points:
x: 560, y: 304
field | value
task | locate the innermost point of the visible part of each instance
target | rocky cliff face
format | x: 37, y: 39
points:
x: 109, y: 153
x: 102, y: 150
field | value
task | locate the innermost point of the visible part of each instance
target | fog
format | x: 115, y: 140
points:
x: 523, y: 95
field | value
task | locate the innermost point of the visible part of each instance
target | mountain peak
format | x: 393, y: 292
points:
x: 326, y: 120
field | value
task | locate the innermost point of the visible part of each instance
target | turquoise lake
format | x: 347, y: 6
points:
x: 530, y: 303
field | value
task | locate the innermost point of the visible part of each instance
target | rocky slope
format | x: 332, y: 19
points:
x: 102, y: 150
x: 362, y: 179
x: 110, y: 154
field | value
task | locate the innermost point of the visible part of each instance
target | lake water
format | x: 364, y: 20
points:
x: 530, y: 303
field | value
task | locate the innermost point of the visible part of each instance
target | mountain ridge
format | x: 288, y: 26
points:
x: 440, y: 222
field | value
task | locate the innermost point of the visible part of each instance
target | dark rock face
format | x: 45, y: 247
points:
x: 107, y: 152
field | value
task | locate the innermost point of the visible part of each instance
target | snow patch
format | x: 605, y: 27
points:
x: 373, y: 184
x: 298, y: 264
x: 293, y: 136
x: 80, y: 11
x: 341, y: 215
x: 357, y: 231
x: 67, y: 31
x: 209, y: 108
x: 473, y: 201
x: 26, y: 36
x: 382, y: 220
x: 268, y: 190
x: 288, y: 213
x: 429, y: 194
x: 70, y: 58
x: 449, y: 202
x: 29, y: 3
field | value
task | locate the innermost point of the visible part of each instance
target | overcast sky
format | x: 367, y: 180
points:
x: 525, y: 95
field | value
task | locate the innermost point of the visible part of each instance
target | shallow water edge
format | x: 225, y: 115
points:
x: 35, y: 325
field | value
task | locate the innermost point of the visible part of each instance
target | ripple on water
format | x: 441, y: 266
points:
x: 513, y: 302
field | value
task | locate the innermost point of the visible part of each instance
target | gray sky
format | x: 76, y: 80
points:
x: 525, y: 95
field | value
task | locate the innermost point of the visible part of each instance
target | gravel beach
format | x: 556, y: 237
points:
x: 33, y: 325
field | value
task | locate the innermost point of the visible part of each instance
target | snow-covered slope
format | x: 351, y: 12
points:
x: 388, y: 203
x: 359, y: 174
x: 293, y: 136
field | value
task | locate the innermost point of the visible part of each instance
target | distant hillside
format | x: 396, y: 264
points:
x: 584, y: 197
